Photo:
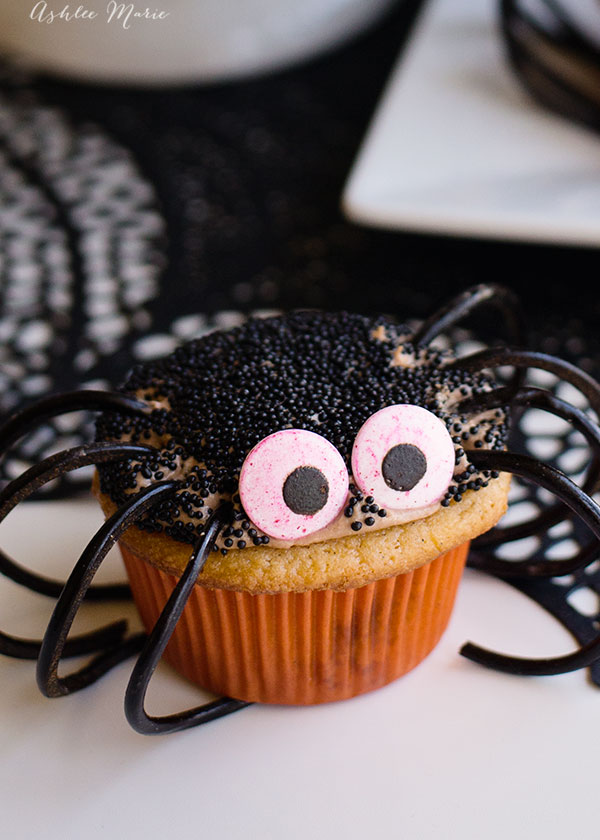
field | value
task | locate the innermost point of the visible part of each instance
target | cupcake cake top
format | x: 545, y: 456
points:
x: 313, y: 425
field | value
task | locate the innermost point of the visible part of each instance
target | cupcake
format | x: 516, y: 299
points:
x: 342, y: 455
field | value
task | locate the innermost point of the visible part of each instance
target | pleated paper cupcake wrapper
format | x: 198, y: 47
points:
x: 303, y: 647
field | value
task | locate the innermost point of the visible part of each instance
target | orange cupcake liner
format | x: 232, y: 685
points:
x: 301, y: 648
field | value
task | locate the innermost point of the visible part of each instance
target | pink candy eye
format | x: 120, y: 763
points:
x: 404, y: 457
x: 293, y: 483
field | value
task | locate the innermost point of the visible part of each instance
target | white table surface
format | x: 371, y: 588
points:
x: 450, y: 750
x: 458, y: 147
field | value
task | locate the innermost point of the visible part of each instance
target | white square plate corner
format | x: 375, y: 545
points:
x: 458, y: 147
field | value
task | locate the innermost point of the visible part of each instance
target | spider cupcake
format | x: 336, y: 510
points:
x: 294, y: 500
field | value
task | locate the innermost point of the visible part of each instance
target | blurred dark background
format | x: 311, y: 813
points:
x: 239, y: 185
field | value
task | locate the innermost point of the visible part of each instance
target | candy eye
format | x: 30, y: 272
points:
x: 293, y: 483
x: 404, y: 457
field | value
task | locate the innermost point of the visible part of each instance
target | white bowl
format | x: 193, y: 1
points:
x: 176, y: 41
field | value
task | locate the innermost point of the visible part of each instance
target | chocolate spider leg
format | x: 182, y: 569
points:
x: 589, y: 511
x: 465, y: 303
x: 158, y: 640
x: 53, y: 643
x: 500, y: 356
x: 23, y: 421
x: 20, y: 489
x: 38, y: 475
x: 546, y: 401
x: 78, y: 646
x: 10, y: 432
x: 566, y: 371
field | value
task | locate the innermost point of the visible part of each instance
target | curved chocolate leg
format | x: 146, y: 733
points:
x: 581, y: 504
x: 20, y: 423
x: 505, y: 356
x: 566, y: 371
x: 20, y: 489
x: 53, y: 644
x: 530, y: 569
x: 158, y: 640
x: 78, y: 646
x: 582, y: 658
x: 34, y: 478
x: 465, y: 303
x: 556, y: 482
x: 546, y: 401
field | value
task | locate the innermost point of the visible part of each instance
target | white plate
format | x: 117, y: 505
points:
x: 457, y: 146
x: 450, y: 751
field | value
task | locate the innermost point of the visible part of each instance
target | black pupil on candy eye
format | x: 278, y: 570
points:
x: 403, y: 466
x: 306, y: 491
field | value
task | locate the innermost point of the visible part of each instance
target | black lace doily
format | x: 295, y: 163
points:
x: 133, y: 220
